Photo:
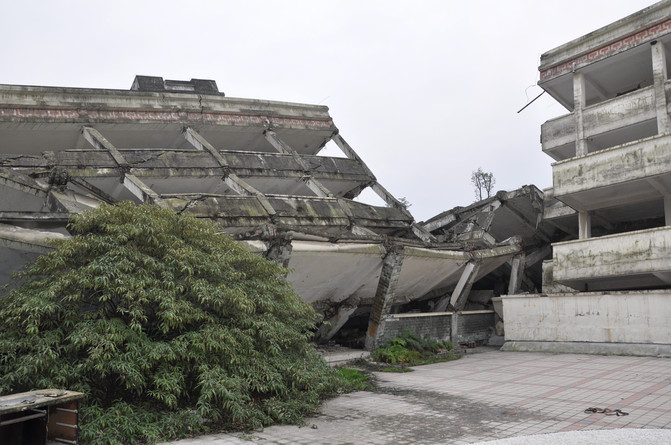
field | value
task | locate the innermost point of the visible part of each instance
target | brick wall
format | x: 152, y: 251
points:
x: 471, y: 325
x: 474, y: 326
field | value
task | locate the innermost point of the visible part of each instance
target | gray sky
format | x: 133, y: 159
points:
x: 425, y: 91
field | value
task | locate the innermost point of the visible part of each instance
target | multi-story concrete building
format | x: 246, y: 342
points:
x: 252, y: 166
x: 607, y: 288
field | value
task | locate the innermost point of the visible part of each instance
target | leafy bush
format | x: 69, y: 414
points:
x: 166, y: 325
x: 410, y: 349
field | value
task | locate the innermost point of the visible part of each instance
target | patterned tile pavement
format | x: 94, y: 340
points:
x: 485, y: 396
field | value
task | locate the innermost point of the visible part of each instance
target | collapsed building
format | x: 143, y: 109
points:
x: 606, y: 289
x: 253, y: 167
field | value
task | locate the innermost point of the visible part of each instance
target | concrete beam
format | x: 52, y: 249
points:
x: 98, y: 141
x: 70, y: 202
x: 140, y: 190
x: 232, y: 180
x: 21, y: 182
x: 531, y: 224
x: 375, y: 186
x: 537, y: 255
x: 312, y: 183
x: 27, y: 240
x: 384, y: 296
x: 422, y: 233
x: 81, y: 182
x: 440, y: 223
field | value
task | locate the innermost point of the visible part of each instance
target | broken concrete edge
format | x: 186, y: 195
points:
x: 169, y: 101
x: 502, y: 195
x: 565, y: 347
x: 466, y: 224
x: 28, y: 240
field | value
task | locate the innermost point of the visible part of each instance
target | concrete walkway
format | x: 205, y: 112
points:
x: 487, y: 396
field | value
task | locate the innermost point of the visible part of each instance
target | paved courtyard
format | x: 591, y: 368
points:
x: 485, y: 396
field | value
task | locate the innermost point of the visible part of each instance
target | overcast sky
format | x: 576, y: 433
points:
x: 424, y: 91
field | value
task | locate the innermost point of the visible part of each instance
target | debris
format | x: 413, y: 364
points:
x: 606, y: 411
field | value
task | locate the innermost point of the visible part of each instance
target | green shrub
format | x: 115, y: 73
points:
x: 410, y: 349
x: 166, y: 325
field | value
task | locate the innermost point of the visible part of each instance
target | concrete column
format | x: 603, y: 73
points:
x: 660, y: 75
x: 460, y: 294
x: 454, y: 328
x: 578, y: 105
x: 384, y: 296
x: 667, y: 210
x: 516, y: 274
x: 457, y: 300
x: 584, y: 225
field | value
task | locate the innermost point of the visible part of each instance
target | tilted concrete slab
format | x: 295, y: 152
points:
x: 516, y: 213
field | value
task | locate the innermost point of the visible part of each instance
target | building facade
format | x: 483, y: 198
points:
x: 606, y: 288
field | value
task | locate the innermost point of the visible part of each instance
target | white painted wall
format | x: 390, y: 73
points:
x: 615, y: 317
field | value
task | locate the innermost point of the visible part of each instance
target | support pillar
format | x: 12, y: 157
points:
x: 659, y: 74
x: 578, y: 105
x: 454, y: 328
x: 584, y: 225
x: 384, y: 296
x: 460, y: 294
x: 516, y: 274
x: 457, y: 300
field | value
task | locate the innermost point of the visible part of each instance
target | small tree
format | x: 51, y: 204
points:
x: 168, y: 327
x: 404, y: 201
x: 483, y: 182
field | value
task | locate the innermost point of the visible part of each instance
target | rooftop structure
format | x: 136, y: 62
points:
x: 251, y: 166
x: 608, y: 285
